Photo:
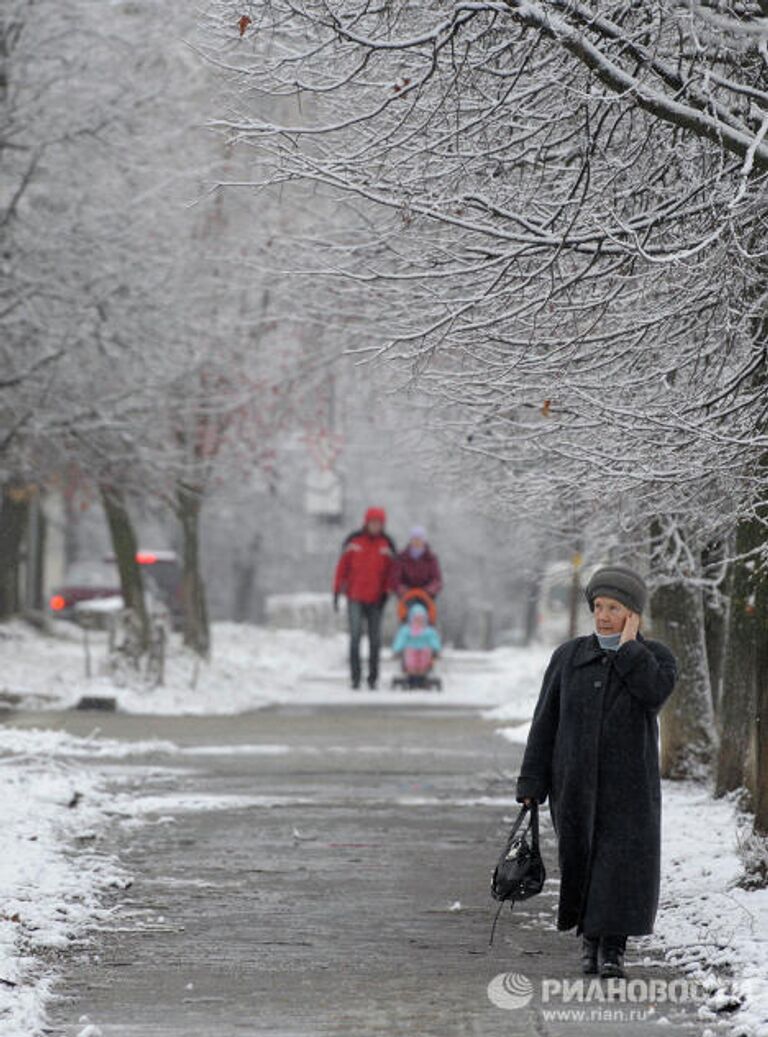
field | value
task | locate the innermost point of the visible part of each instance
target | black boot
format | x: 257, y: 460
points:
x: 612, y: 956
x: 589, y: 948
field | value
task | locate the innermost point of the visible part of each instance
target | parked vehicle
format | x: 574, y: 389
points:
x: 92, y: 580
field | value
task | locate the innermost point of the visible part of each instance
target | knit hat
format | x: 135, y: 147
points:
x: 619, y: 582
x: 418, y: 533
x: 376, y: 515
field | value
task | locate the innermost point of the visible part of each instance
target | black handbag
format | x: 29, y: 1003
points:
x: 519, y: 872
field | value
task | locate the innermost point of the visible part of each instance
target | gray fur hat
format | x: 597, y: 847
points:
x: 619, y: 582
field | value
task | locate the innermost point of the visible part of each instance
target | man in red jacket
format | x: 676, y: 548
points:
x: 364, y: 574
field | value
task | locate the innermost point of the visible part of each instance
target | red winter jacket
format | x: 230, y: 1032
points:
x: 364, y: 571
x: 423, y: 572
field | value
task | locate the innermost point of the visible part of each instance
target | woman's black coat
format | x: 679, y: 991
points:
x: 593, y: 749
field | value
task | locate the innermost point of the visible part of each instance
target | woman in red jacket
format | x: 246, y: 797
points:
x: 364, y: 575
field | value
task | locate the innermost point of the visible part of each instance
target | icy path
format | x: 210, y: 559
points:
x: 317, y: 871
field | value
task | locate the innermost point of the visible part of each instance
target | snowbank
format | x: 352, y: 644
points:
x: 708, y: 926
x: 50, y: 878
x: 254, y: 667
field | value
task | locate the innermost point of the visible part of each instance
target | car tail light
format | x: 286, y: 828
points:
x: 58, y: 602
x: 145, y: 558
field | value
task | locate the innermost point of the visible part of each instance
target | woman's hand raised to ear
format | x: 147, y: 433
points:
x: 631, y: 627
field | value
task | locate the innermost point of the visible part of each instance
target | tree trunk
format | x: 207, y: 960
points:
x: 125, y: 546
x: 760, y: 728
x: 744, y: 718
x: 36, y: 537
x: 14, y: 514
x: 716, y: 609
x: 735, y: 765
x: 753, y: 610
x: 688, y: 732
x: 688, y: 736
x: 196, y: 629
x: 71, y: 528
x: 531, y: 613
x: 575, y: 596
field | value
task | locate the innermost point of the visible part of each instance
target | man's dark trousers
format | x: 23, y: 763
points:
x: 359, y: 613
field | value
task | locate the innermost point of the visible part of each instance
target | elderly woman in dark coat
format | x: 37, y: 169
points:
x: 593, y: 749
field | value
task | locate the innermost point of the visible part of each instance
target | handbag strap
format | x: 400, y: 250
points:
x: 524, y: 809
x: 535, y: 826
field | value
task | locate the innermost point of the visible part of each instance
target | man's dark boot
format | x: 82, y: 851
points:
x: 611, y: 956
x: 589, y: 948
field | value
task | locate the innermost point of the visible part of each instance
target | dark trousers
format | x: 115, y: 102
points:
x: 613, y: 939
x: 370, y: 615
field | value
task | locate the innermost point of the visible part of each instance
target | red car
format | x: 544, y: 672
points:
x: 88, y: 581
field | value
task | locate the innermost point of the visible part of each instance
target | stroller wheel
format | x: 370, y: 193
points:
x: 416, y: 682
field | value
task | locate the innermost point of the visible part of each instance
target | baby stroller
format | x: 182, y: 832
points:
x: 417, y: 643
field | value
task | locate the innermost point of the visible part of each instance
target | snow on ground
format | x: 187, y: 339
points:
x: 713, y: 930
x: 51, y: 873
x: 516, y: 733
x: 254, y: 667
x: 707, y: 925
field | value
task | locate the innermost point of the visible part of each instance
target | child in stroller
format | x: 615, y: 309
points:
x: 418, y: 644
